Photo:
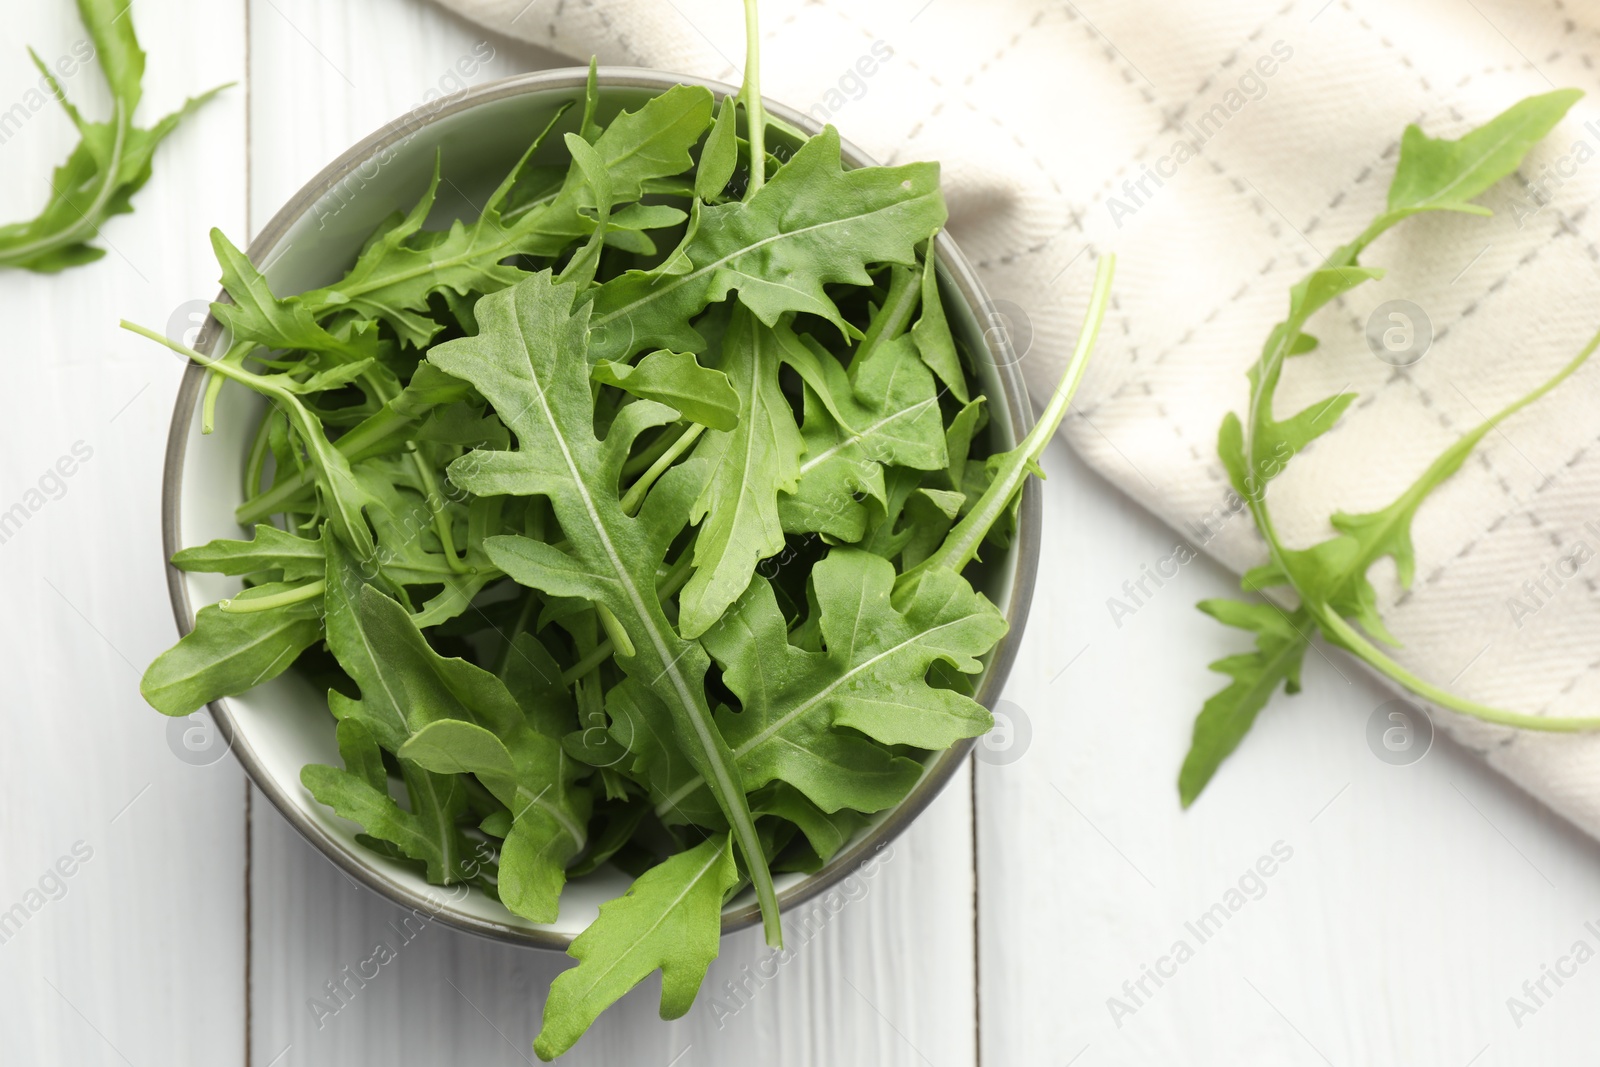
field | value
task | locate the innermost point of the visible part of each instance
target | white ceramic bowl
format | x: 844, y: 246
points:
x: 279, y: 727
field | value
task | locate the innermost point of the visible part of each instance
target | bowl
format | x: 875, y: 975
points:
x: 279, y: 727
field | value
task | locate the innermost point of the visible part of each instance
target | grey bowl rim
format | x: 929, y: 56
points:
x: 565, y: 79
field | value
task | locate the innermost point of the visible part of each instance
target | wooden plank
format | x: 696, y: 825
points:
x: 1416, y: 901
x: 126, y: 858
x: 888, y: 979
x: 885, y: 978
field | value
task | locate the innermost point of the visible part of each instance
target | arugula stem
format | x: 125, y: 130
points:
x: 633, y: 499
x: 961, y: 544
x: 374, y: 431
x: 346, y: 514
x: 430, y: 487
x: 652, y: 452
x: 441, y: 520
x: 526, y: 612
x: 309, y: 591
x: 615, y: 631
x: 673, y: 581
x: 235, y: 355
x: 255, y: 466
x: 1350, y: 638
x: 750, y: 97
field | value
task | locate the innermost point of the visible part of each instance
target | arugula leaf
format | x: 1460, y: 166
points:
x: 1008, y: 470
x: 256, y: 316
x: 527, y: 360
x: 883, y: 412
x: 676, y: 379
x: 1330, y: 578
x: 814, y: 224
x: 1281, y: 643
x: 110, y: 163
x: 448, y: 717
x: 820, y: 720
x: 338, y: 485
x: 720, y: 156
x: 231, y: 651
x: 669, y: 920
x: 270, y: 549
x: 427, y: 833
x: 931, y: 334
x: 394, y: 278
x: 825, y: 833
x: 750, y: 464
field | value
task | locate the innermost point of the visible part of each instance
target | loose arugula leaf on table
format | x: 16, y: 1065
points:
x: 1329, y: 579
x: 110, y: 163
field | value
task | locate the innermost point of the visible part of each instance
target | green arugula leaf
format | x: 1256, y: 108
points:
x: 669, y: 920
x: 1330, y: 578
x: 825, y: 833
x: 677, y: 380
x: 884, y: 412
x: 270, y: 549
x: 231, y: 651
x: 258, y: 317
x: 394, y: 279
x: 818, y: 720
x: 448, y: 717
x: 750, y: 464
x: 429, y: 832
x: 110, y: 163
x: 1281, y: 643
x: 814, y: 224
x: 720, y: 155
x: 528, y: 362
x: 932, y: 336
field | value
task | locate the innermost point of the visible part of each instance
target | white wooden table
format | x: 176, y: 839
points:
x: 1413, y: 903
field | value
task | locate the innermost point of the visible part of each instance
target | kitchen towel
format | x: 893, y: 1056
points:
x: 1221, y: 150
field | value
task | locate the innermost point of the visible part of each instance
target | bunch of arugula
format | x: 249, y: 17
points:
x: 110, y: 163
x: 1332, y: 595
x: 525, y: 470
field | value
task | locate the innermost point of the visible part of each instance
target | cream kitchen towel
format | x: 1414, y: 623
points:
x: 1221, y: 149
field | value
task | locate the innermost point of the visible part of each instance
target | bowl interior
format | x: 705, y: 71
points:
x: 281, y: 726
